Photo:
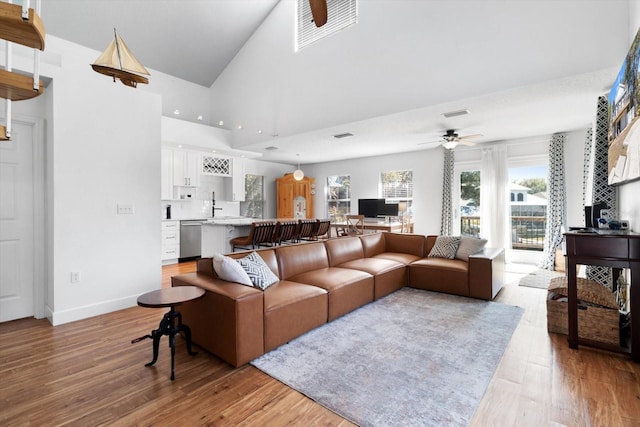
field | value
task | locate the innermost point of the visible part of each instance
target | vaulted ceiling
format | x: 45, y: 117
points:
x: 521, y: 67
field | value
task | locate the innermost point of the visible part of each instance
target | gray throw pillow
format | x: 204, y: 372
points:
x: 469, y: 246
x: 445, y: 247
x: 258, y: 271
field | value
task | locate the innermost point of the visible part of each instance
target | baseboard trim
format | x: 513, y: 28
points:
x: 78, y: 313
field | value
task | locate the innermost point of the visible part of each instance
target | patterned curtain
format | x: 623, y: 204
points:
x: 557, y: 203
x: 602, y: 191
x: 446, y: 227
x: 586, y: 171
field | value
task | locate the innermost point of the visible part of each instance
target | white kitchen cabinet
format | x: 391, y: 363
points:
x: 167, y: 174
x: 237, y: 192
x: 170, y: 241
x: 186, y: 168
x: 216, y: 165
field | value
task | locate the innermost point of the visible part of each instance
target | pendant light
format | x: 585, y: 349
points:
x: 298, y: 174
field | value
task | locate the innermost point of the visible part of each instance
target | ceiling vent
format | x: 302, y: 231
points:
x: 271, y: 148
x: 343, y: 135
x: 341, y: 14
x: 455, y: 113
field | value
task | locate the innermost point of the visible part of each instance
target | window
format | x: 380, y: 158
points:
x: 338, y: 195
x: 470, y: 203
x: 528, y: 188
x: 253, y: 205
x: 397, y: 187
x: 341, y: 14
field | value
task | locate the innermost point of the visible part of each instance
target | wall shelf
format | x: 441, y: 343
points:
x: 17, y: 87
x: 27, y: 32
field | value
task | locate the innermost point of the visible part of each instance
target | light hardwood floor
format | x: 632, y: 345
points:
x: 88, y: 373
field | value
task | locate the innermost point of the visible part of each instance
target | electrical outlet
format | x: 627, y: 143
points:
x: 125, y: 209
x: 75, y: 276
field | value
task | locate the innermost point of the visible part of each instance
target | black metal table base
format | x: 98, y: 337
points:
x: 168, y: 327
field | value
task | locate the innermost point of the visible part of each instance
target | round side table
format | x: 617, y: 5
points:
x: 169, y: 297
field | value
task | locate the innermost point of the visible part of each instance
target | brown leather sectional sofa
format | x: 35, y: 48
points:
x: 319, y: 282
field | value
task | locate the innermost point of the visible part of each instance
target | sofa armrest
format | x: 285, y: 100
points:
x: 227, y: 321
x: 486, y: 273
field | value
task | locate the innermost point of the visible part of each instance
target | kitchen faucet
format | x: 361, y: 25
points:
x: 213, y: 205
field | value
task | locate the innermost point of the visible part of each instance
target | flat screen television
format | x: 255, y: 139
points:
x: 373, y: 208
x: 624, y: 119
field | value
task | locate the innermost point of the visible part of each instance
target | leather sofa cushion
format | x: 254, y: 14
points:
x: 344, y: 250
x: 406, y: 259
x: 290, y: 310
x: 412, y: 244
x: 441, y: 275
x: 372, y: 244
x: 348, y: 289
x: 305, y: 257
x: 373, y: 266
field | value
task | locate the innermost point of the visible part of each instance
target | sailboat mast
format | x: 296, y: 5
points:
x: 115, y: 35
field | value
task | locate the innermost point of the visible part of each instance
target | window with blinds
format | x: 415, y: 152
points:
x: 340, y: 15
x: 397, y: 187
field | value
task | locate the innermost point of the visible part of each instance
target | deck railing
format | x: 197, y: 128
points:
x: 527, y: 232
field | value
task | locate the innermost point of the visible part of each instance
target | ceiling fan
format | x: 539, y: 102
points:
x: 451, y: 139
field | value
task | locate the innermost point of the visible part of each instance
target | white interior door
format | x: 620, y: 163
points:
x: 17, y: 225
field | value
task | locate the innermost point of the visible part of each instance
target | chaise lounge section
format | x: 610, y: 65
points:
x: 319, y: 282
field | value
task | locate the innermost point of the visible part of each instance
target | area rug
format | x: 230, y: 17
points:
x: 539, y: 278
x: 412, y: 358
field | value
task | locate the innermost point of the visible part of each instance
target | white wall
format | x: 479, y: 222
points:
x: 427, y: 167
x: 102, y: 149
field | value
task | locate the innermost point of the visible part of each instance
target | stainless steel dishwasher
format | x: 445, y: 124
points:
x: 190, y: 239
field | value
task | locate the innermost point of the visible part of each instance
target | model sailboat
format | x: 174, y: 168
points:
x: 118, y: 62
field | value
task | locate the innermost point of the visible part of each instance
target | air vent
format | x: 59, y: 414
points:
x: 343, y: 135
x: 456, y: 113
x: 271, y: 148
x: 341, y: 14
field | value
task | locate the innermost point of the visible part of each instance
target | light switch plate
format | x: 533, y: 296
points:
x: 125, y: 209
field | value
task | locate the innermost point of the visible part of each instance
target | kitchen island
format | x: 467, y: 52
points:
x: 216, y: 233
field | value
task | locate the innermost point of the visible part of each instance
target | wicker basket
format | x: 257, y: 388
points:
x: 595, y: 323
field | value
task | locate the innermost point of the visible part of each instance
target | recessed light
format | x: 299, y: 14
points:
x: 176, y: 112
x: 259, y: 131
x: 179, y: 145
x: 199, y: 118
x: 220, y: 123
x: 239, y: 127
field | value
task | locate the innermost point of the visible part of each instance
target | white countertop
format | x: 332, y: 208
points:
x: 229, y: 220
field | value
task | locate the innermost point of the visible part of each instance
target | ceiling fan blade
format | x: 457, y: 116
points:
x: 476, y: 135
x: 467, y: 143
x: 319, y: 11
x: 438, y: 141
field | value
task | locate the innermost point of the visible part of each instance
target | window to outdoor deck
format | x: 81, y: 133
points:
x: 397, y: 187
x: 338, y: 196
x: 253, y: 205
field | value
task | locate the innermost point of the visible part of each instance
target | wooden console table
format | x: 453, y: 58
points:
x: 607, y: 248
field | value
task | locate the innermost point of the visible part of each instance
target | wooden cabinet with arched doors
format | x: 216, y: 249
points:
x: 295, y: 198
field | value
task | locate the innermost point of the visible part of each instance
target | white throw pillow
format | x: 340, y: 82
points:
x: 228, y: 269
x: 445, y: 247
x: 258, y: 271
x: 469, y: 246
